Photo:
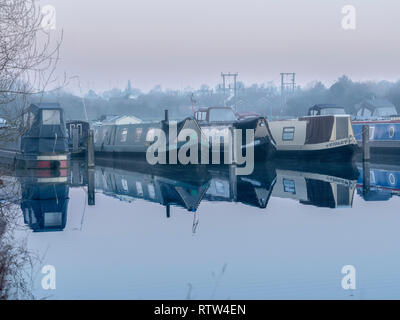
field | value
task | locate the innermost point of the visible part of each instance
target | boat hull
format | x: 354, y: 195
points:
x: 337, y: 154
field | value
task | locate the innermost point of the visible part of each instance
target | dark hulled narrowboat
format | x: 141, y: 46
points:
x: 218, y: 123
x: 39, y: 140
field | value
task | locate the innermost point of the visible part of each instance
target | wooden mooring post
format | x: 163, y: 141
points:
x: 90, y: 149
x: 365, y: 143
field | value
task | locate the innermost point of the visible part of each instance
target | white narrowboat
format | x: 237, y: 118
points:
x: 325, y: 137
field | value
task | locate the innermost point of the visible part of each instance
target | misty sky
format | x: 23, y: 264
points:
x: 180, y: 43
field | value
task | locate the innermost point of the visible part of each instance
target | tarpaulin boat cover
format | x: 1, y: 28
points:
x: 319, y: 129
x: 46, y: 130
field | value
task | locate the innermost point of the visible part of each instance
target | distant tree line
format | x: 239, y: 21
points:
x: 264, y: 99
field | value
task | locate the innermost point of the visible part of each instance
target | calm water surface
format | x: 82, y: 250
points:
x: 285, y: 232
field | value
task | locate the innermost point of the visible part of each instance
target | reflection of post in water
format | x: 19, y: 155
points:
x: 233, y: 182
x: 366, y: 177
x: 366, y: 158
x: 91, y: 187
x: 195, y: 222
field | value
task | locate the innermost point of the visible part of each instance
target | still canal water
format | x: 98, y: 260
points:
x: 284, y: 232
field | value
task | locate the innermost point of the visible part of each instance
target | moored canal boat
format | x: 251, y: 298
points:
x: 218, y: 123
x: 321, y: 137
x: 38, y: 141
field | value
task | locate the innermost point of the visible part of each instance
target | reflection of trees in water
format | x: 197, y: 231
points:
x: 16, y: 261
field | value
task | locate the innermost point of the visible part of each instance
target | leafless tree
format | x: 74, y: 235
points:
x: 28, y: 57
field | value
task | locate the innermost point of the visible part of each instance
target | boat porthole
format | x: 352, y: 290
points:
x: 391, y: 132
x: 392, y: 179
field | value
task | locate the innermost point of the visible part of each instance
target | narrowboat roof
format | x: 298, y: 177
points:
x: 203, y: 109
x: 375, y: 104
x: 325, y: 106
x: 77, y: 121
x: 45, y: 106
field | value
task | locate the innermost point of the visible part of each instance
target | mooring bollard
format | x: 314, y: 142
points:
x: 166, y: 117
x: 168, y: 210
x: 90, y: 149
x: 365, y: 142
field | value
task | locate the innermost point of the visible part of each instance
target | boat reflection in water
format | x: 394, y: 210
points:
x: 378, y: 182
x: 316, y: 184
x: 44, y: 199
x: 311, y: 184
x: 45, y: 194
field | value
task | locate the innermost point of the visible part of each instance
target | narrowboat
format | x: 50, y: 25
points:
x: 78, y: 132
x: 39, y: 140
x: 382, y: 118
x: 384, y: 125
x: 218, y: 123
x: 319, y: 137
x: 131, y: 140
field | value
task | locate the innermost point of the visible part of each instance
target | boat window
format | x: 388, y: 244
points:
x: 152, y: 191
x: 332, y: 111
x: 79, y: 128
x: 139, y: 189
x: 138, y: 133
x: 289, y: 186
x: 288, y: 133
x: 385, y: 111
x: 124, y: 134
x: 52, y: 219
x: 124, y: 185
x: 224, y: 114
x: 51, y: 117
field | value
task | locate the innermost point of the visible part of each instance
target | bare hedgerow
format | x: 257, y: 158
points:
x: 16, y: 261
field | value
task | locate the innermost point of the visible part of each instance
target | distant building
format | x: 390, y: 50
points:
x: 121, y: 120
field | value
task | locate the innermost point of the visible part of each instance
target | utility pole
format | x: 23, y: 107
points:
x: 229, y: 75
x: 288, y: 85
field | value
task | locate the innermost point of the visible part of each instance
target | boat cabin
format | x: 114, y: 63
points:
x: 326, y: 110
x: 375, y: 108
x: 78, y: 132
x: 44, y: 130
x: 215, y: 114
